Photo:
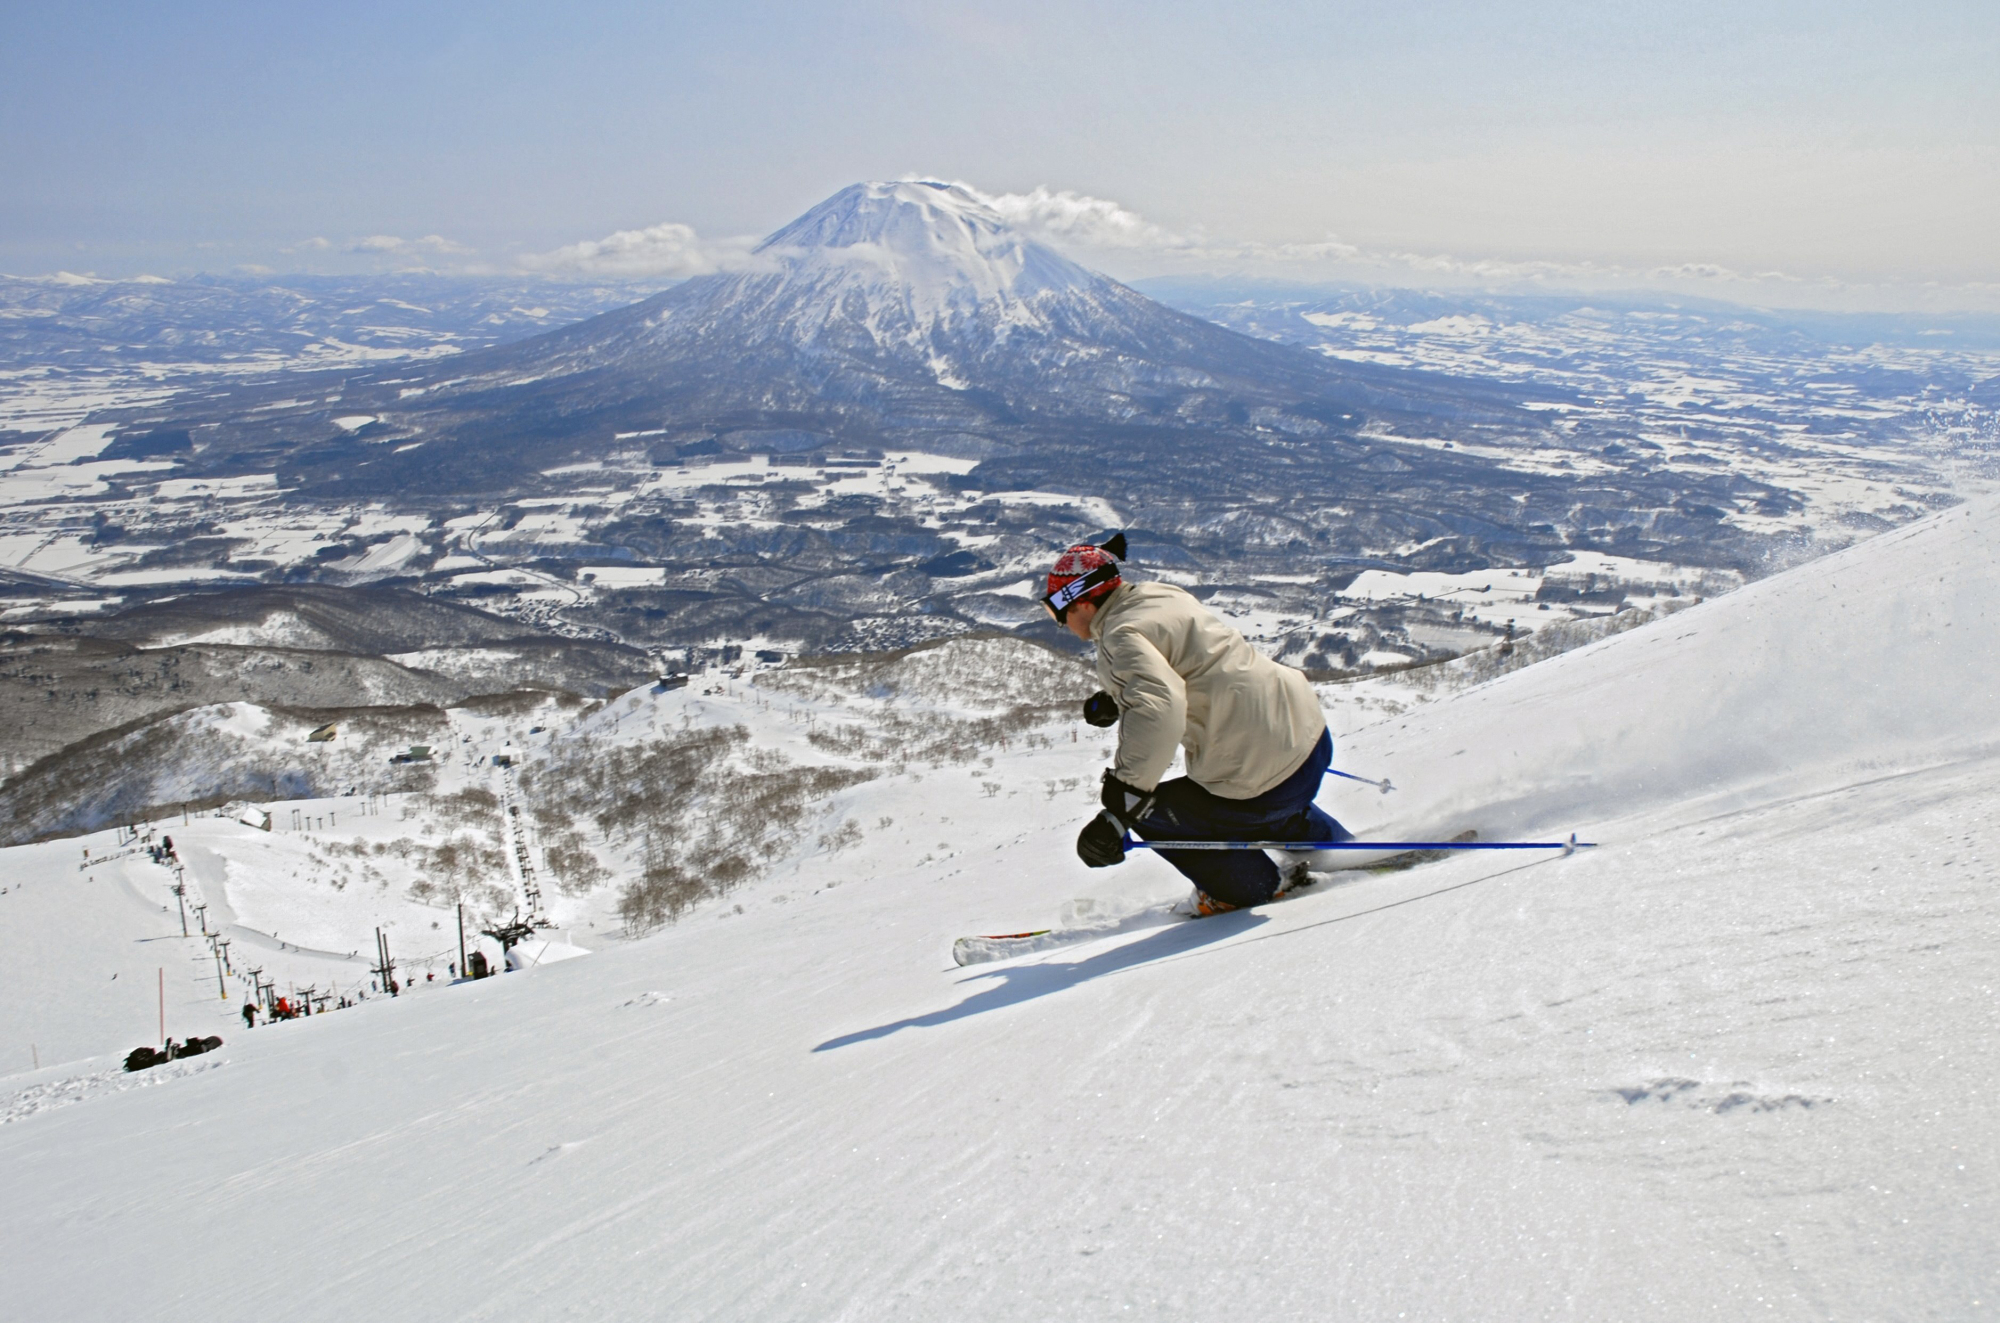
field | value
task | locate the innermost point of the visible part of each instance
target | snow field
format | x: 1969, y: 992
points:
x: 1868, y: 661
x: 302, y: 900
x: 1731, y: 1063
x: 85, y: 953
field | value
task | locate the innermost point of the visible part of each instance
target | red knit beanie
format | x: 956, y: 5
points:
x: 1081, y: 560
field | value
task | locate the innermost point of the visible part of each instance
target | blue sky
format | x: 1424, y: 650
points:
x: 1822, y: 152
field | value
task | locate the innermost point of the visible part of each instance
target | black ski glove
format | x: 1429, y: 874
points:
x: 1101, y: 843
x: 1100, y: 709
x: 1127, y: 803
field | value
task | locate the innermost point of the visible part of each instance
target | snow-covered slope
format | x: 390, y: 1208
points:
x: 1869, y: 662
x: 1733, y: 1063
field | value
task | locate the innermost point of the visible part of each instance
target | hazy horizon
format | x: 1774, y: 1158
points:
x: 1831, y: 157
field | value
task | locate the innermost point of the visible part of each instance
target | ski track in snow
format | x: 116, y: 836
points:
x: 1737, y: 1061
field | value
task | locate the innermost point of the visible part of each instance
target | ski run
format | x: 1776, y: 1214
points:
x: 1735, y: 1062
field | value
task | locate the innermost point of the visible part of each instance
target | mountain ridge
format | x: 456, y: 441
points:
x: 892, y: 314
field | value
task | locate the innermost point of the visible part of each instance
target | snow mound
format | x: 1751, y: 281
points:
x: 534, y: 953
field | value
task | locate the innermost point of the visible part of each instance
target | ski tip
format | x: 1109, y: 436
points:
x: 998, y: 946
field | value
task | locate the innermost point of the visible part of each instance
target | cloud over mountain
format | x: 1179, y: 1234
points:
x: 1110, y: 234
x: 389, y: 243
x: 384, y: 245
x: 1117, y: 236
x: 1064, y: 216
x: 668, y: 249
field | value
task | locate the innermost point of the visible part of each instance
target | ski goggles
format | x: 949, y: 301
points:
x: 1058, y: 603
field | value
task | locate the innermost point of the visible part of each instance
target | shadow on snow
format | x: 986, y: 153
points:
x: 1026, y: 982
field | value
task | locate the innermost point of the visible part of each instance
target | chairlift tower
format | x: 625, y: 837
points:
x: 385, y: 968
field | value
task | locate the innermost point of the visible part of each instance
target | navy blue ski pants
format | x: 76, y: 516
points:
x: 1183, y: 811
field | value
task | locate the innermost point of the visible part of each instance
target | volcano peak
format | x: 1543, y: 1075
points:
x: 894, y: 213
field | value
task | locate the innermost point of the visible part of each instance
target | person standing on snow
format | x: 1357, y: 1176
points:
x: 1175, y: 676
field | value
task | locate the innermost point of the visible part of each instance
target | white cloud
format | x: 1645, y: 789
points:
x: 389, y: 243
x: 1102, y: 229
x: 667, y: 250
x: 1078, y: 218
x: 1081, y: 222
x: 383, y: 246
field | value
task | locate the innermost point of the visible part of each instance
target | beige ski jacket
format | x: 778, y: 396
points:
x: 1183, y: 677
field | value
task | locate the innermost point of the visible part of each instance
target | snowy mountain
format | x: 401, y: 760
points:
x: 874, y: 435
x: 104, y: 725
x: 918, y: 284
x: 1733, y: 1061
x: 241, y: 323
x: 891, y: 315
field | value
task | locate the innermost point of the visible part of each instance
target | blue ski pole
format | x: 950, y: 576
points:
x: 1565, y: 846
x: 1382, y: 785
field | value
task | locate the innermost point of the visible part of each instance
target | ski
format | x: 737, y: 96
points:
x: 1086, y: 920
x: 997, y: 946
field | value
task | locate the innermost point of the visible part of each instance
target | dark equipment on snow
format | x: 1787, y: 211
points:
x: 1100, y: 709
x: 145, y: 1058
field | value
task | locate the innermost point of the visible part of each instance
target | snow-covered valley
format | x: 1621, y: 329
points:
x: 675, y: 472
x: 1732, y: 1061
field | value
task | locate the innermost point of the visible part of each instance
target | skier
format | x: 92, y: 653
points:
x: 1174, y: 675
x: 249, y: 1015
